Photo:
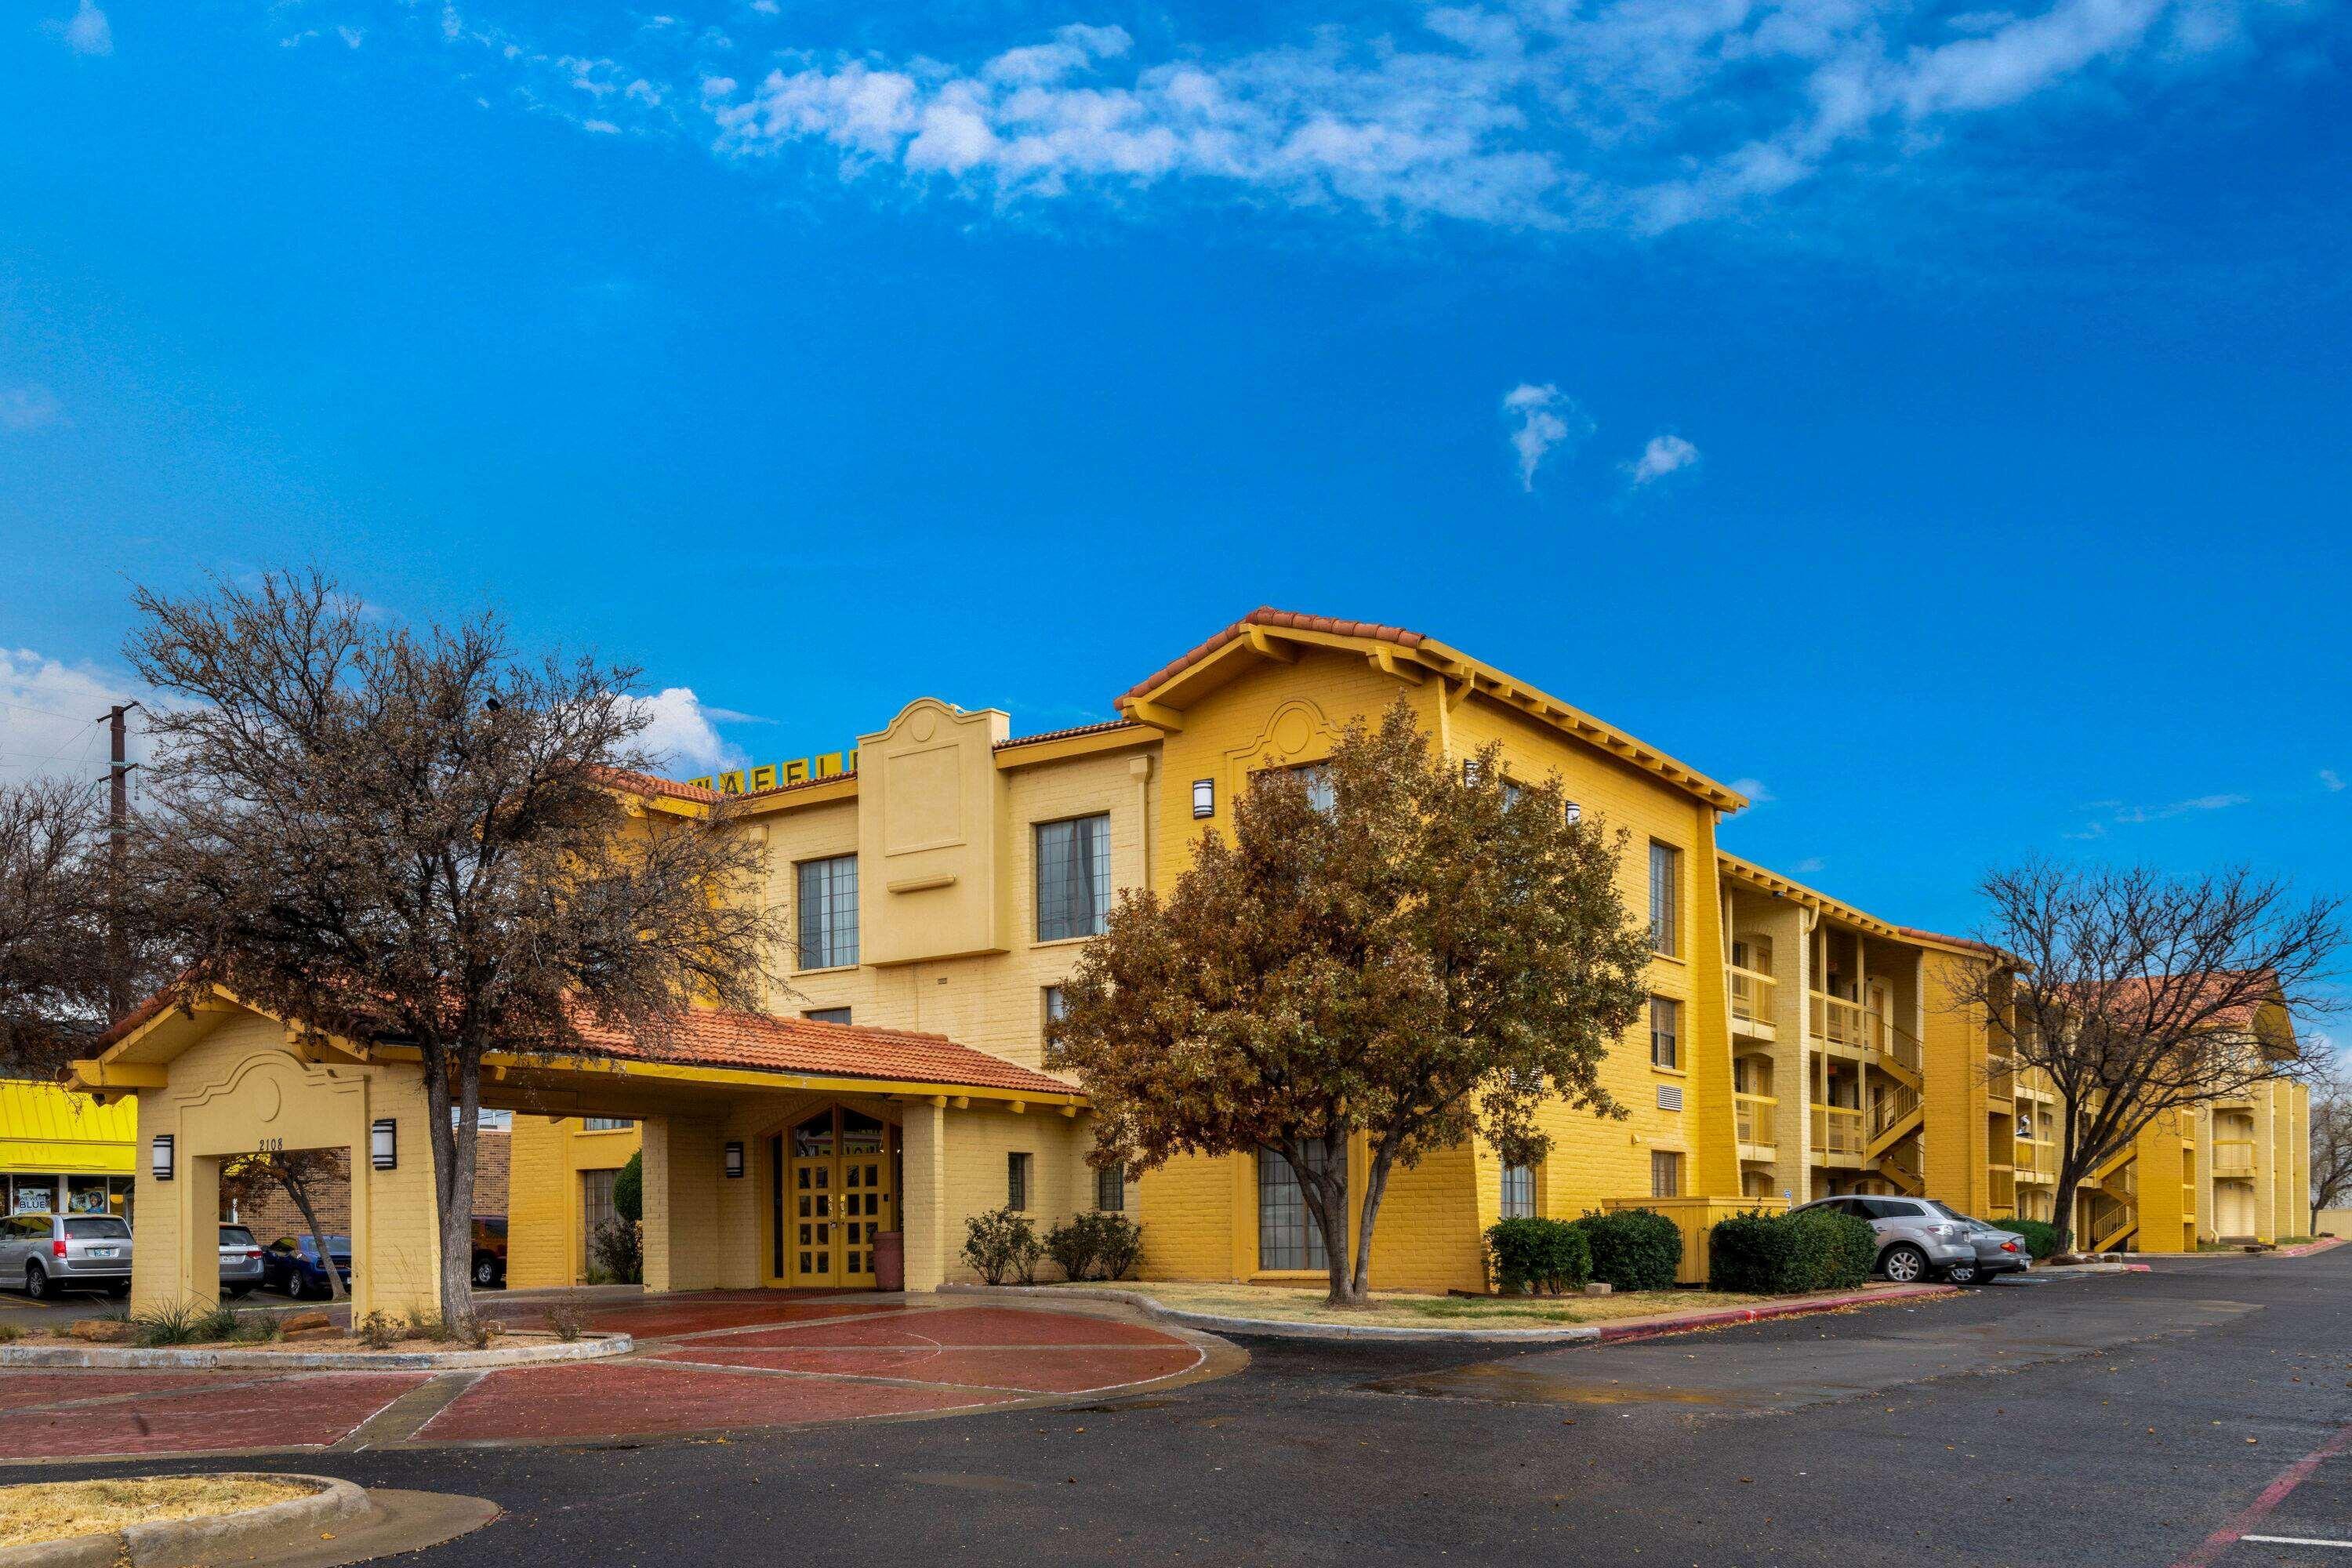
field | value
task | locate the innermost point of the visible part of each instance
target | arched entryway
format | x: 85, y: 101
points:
x: 834, y: 1175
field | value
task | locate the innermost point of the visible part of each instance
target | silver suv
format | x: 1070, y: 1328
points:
x: 46, y: 1253
x: 1915, y: 1238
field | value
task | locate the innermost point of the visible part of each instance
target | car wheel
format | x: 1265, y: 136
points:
x: 239, y: 1292
x: 1904, y: 1263
x: 36, y: 1282
x: 1963, y: 1274
x: 486, y: 1271
x: 120, y: 1289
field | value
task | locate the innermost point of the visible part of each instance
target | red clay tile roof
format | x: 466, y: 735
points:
x: 647, y: 783
x: 800, y: 783
x: 754, y: 1041
x: 1924, y: 934
x: 1267, y: 616
x: 1065, y: 734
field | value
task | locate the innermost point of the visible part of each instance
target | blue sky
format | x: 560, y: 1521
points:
x: 1937, y: 412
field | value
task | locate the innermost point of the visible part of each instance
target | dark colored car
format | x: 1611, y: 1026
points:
x: 489, y: 1251
x: 291, y: 1264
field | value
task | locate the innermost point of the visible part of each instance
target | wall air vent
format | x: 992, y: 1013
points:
x: 1670, y: 1097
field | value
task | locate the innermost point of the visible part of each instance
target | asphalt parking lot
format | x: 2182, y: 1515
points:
x: 2189, y: 1418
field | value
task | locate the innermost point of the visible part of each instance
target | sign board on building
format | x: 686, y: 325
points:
x: 777, y: 775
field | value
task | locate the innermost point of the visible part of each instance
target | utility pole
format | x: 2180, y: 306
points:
x: 119, y: 999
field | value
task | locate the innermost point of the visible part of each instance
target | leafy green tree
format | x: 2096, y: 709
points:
x: 1393, y: 944
x: 629, y: 1189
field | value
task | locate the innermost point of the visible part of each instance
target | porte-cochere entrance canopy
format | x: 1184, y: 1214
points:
x: 776, y: 1150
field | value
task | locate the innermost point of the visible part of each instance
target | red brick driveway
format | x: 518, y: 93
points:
x: 711, y: 1362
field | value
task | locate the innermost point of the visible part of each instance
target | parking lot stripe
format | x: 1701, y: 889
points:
x: 2296, y: 1541
x: 2294, y: 1476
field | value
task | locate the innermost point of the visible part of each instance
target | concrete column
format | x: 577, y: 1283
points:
x: 2266, y: 1163
x: 923, y: 1205
x: 1792, y: 1083
x: 682, y: 1174
x: 197, y: 1264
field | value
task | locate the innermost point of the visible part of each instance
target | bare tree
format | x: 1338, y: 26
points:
x: 53, y: 969
x: 297, y: 1173
x: 416, y: 837
x: 2331, y: 1137
x: 2140, y: 993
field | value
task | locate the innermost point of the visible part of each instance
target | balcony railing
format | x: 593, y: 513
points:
x: 1837, y: 1130
x: 2233, y: 1157
x: 1844, y: 1022
x: 2035, y: 1158
x: 2000, y: 1076
x: 1899, y: 1102
x: 1753, y: 1114
x: 1751, y: 994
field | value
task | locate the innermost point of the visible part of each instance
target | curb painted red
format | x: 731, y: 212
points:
x: 1727, y: 1316
x: 2308, y: 1247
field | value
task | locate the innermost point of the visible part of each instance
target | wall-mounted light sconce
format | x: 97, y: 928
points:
x: 384, y: 1143
x: 734, y: 1160
x: 1205, y: 797
x: 163, y: 1156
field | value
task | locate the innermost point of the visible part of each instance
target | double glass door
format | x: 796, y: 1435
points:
x: 833, y: 1196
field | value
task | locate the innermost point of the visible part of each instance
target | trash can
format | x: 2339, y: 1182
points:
x: 890, y: 1260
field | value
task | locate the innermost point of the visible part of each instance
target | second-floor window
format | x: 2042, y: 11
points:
x: 828, y: 912
x: 828, y: 1015
x: 1666, y: 897
x: 1073, y: 877
x: 1665, y: 1032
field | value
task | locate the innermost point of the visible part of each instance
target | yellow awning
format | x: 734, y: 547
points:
x: 44, y: 1130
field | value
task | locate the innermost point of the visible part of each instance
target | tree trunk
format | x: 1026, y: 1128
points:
x: 2070, y: 1176
x: 1332, y: 1189
x: 454, y: 1131
x: 301, y: 1193
x: 1376, y: 1183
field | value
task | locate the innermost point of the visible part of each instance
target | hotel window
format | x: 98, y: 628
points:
x: 605, y: 1123
x: 1055, y: 1004
x: 827, y: 1014
x: 1073, y: 877
x: 1017, y: 1180
x: 1518, y: 1192
x: 1322, y: 794
x: 1666, y: 897
x: 1512, y: 793
x: 1110, y: 1188
x: 1287, y: 1236
x: 828, y: 912
x: 1665, y: 1032
x: 1665, y: 1174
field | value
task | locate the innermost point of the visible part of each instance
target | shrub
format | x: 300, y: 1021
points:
x: 1632, y: 1249
x: 10, y: 1333
x: 566, y: 1323
x: 1785, y: 1254
x: 1121, y: 1246
x: 1001, y: 1242
x: 1095, y: 1245
x: 1548, y: 1256
x: 377, y: 1332
x: 183, y: 1324
x: 2041, y: 1238
x: 619, y: 1250
x: 629, y: 1189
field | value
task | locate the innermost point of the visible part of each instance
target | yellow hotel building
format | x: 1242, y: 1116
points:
x: 941, y: 880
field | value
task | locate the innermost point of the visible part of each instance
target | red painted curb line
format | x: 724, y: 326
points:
x: 2218, y: 1544
x: 2308, y: 1247
x: 1730, y: 1315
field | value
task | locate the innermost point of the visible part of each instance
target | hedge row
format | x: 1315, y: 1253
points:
x: 1787, y: 1254
x: 1627, y: 1249
x: 2041, y: 1238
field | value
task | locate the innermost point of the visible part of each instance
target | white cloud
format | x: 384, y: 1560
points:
x: 85, y: 31
x: 1621, y: 114
x: 1542, y: 417
x: 2330, y: 780
x: 1754, y: 789
x: 2122, y: 815
x: 1810, y: 864
x: 1665, y: 455
x: 682, y: 735
x: 49, y: 713
x: 29, y: 408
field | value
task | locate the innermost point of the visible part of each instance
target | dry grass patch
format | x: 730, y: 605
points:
x: 1414, y: 1310
x: 54, y: 1510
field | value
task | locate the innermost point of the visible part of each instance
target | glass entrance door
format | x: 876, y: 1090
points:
x: 836, y: 1199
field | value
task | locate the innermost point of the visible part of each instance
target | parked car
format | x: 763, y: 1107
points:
x: 240, y: 1260
x: 489, y: 1251
x: 47, y: 1253
x: 1915, y: 1238
x: 291, y: 1264
x: 1999, y: 1251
